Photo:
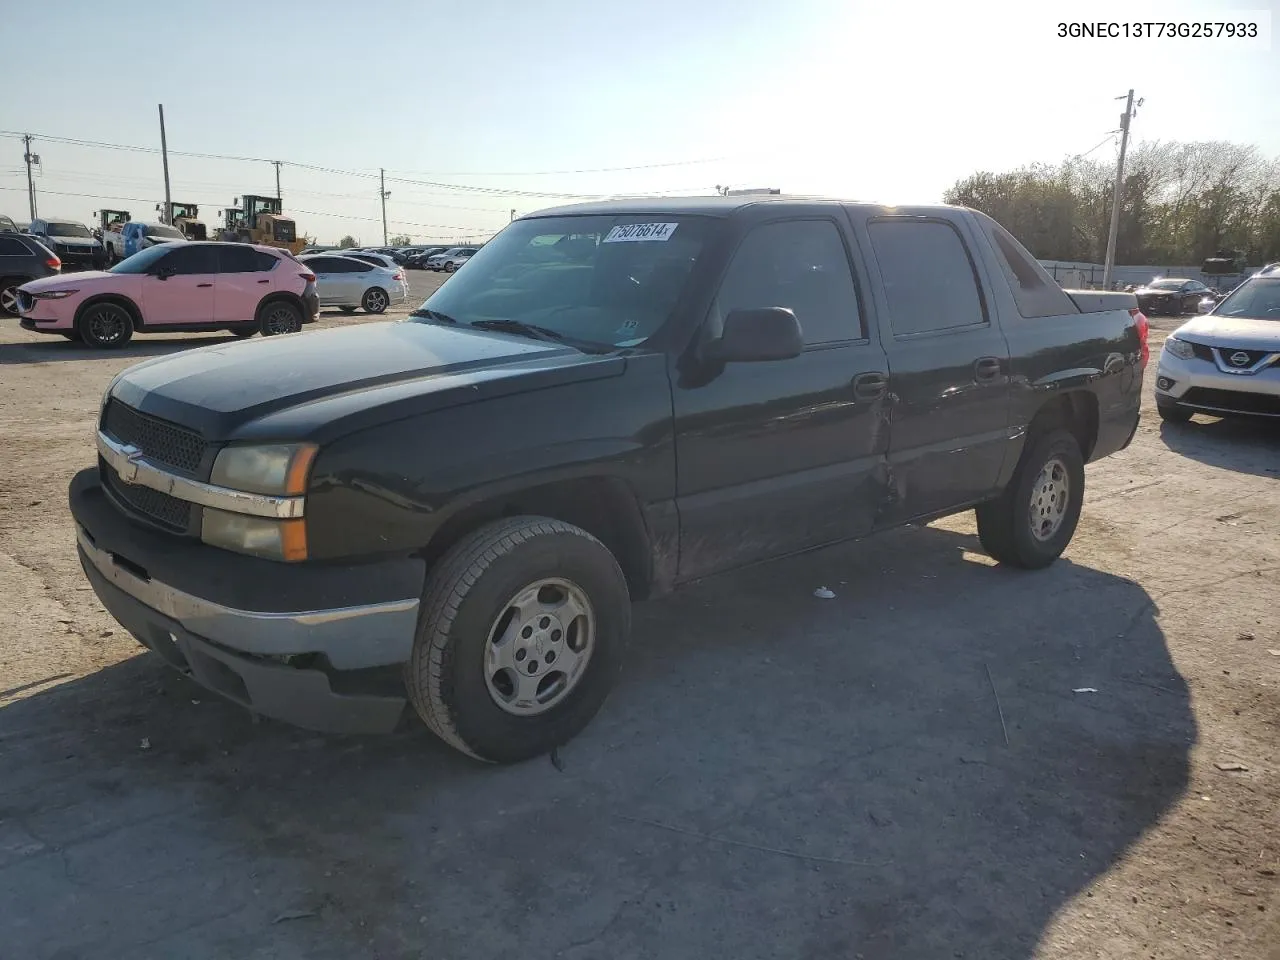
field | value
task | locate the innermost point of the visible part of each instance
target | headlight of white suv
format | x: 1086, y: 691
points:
x: 1179, y: 348
x: 277, y: 469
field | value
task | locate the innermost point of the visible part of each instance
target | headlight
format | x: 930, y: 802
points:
x: 1179, y: 348
x: 278, y: 469
x: 260, y: 536
x: 53, y: 294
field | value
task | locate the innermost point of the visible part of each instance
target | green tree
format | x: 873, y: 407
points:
x: 400, y: 240
x: 348, y: 241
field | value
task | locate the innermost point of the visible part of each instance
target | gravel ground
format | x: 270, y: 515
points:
x: 906, y: 770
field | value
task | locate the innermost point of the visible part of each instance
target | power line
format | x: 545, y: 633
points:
x: 553, y: 173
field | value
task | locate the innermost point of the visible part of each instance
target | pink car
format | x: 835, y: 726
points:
x: 238, y: 287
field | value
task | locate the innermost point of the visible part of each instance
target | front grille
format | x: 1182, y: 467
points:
x: 159, y: 508
x: 1201, y: 351
x: 1232, y: 400
x: 1229, y: 355
x: 159, y: 440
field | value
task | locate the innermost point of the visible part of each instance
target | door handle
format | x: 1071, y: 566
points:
x: 986, y: 369
x: 264, y: 281
x: 204, y: 284
x: 870, y: 386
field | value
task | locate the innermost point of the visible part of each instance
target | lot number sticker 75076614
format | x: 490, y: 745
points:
x: 627, y: 232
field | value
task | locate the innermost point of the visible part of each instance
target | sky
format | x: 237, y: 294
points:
x: 477, y: 109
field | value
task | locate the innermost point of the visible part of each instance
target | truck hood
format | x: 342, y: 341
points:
x: 1221, y: 331
x: 321, y: 384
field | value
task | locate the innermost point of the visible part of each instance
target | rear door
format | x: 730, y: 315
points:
x: 328, y: 280
x: 186, y: 295
x: 780, y: 456
x: 244, y: 278
x: 948, y: 365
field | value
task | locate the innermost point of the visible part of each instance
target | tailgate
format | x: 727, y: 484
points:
x: 1101, y: 301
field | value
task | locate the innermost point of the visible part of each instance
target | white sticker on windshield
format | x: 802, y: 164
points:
x: 628, y: 232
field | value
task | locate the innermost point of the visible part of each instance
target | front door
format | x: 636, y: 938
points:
x: 948, y: 368
x: 780, y: 456
x: 179, y: 287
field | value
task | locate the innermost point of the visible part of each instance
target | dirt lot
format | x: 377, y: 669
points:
x: 777, y: 775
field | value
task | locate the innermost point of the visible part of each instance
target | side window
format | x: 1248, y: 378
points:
x: 13, y: 247
x: 187, y: 259
x: 319, y: 264
x: 928, y: 277
x: 235, y: 259
x: 801, y: 265
x: 265, y: 261
x: 1034, y: 291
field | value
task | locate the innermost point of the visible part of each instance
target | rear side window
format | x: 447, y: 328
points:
x: 234, y: 259
x: 13, y: 247
x: 800, y: 265
x: 928, y: 276
x: 1034, y: 291
x: 265, y: 260
x: 188, y: 259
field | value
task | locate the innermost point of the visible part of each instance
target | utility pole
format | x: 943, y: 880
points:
x: 513, y: 214
x: 1109, y: 263
x: 30, y: 158
x: 277, y: 163
x: 383, y: 192
x: 164, y: 154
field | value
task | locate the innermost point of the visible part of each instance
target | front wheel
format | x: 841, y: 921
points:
x: 449, y: 267
x: 280, y: 317
x: 107, y: 326
x: 522, y: 632
x: 1034, y: 519
x: 9, y: 297
x: 375, y: 300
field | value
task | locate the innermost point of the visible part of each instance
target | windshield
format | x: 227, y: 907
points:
x: 607, y: 280
x: 141, y: 261
x: 68, y: 230
x: 1256, y: 299
x: 1165, y: 284
x: 162, y: 232
x: 284, y: 231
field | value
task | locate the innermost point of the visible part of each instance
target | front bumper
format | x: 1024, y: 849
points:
x: 1201, y: 385
x: 1160, y: 306
x: 274, y: 637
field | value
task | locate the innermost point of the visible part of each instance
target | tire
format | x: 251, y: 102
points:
x: 105, y: 325
x: 347, y: 309
x: 455, y: 679
x: 375, y: 300
x: 1170, y: 412
x: 9, y: 295
x: 1008, y: 525
x: 449, y: 266
x: 278, y: 317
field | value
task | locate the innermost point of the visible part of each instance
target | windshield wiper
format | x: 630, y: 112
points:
x: 507, y: 325
x: 433, y: 315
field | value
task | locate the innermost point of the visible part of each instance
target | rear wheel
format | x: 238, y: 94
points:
x: 107, y: 326
x: 375, y: 300
x: 1171, y: 412
x: 521, y: 637
x: 278, y: 317
x: 1034, y: 519
x: 449, y: 266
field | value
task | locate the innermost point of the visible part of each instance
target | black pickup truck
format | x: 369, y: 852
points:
x: 608, y: 401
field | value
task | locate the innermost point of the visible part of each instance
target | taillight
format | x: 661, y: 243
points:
x: 1144, y: 328
x: 309, y: 277
x: 53, y: 263
x: 399, y: 276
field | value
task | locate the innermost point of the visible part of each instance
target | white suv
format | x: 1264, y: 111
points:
x: 451, y: 259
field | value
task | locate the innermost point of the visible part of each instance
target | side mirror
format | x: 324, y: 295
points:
x: 164, y: 273
x: 752, y: 336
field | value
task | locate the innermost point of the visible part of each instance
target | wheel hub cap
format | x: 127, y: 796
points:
x: 1049, y: 499
x: 539, y: 646
x: 9, y: 299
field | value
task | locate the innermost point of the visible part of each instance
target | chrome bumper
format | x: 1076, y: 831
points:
x: 369, y: 635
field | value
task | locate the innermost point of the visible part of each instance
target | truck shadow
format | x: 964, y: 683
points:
x: 1245, y: 445
x: 54, y: 350
x: 901, y: 771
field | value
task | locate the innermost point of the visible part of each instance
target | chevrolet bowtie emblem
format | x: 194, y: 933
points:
x: 129, y: 469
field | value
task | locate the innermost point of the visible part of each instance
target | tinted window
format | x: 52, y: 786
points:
x: 143, y: 260
x: 1035, y: 293
x: 162, y: 232
x: 68, y: 230
x: 265, y: 260
x: 236, y: 259
x: 13, y: 247
x: 927, y: 275
x: 801, y: 265
x: 321, y: 264
x: 187, y: 259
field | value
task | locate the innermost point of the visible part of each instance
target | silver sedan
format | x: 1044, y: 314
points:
x: 350, y: 283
